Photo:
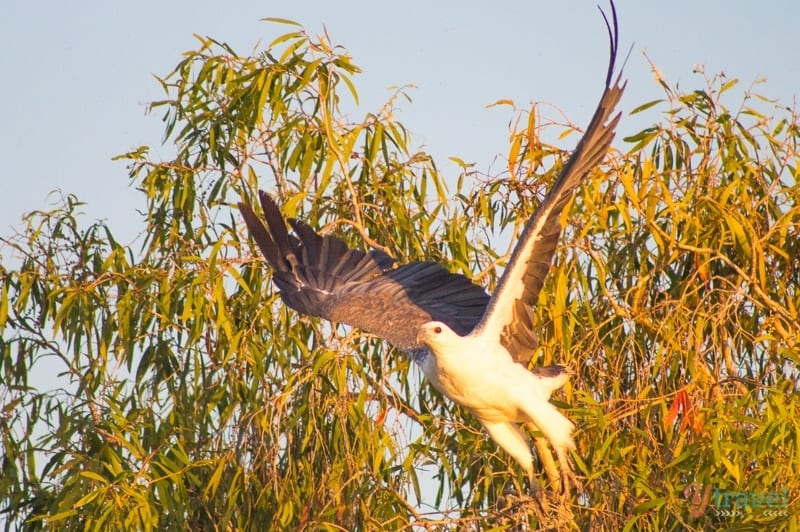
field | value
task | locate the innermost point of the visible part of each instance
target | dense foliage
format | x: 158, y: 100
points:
x: 191, y: 399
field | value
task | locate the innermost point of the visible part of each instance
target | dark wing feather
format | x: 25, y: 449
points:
x: 509, y: 314
x: 320, y: 276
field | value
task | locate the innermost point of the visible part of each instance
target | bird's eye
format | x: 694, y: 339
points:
x: 437, y: 329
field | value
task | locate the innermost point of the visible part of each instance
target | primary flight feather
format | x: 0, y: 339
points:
x: 472, y: 347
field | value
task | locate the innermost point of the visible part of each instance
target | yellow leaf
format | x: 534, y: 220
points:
x: 503, y: 101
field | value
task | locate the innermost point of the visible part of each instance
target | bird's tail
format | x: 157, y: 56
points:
x: 550, y: 378
x: 550, y: 422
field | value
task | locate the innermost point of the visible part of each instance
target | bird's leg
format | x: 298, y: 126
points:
x: 547, y: 459
x: 567, y: 475
x: 508, y: 436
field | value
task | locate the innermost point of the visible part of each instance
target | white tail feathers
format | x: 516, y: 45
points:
x: 549, y: 379
x: 550, y: 422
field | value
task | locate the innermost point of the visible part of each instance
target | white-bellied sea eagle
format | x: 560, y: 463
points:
x: 473, y: 348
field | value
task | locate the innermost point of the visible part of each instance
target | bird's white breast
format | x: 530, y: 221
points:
x: 479, y: 376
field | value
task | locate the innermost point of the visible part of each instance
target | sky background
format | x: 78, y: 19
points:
x: 77, y: 76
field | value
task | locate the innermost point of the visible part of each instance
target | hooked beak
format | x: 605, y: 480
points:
x: 422, y: 336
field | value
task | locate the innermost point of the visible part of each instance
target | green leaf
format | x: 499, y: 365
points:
x: 277, y: 20
x: 646, y: 106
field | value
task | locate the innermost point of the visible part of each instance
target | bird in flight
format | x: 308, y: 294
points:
x: 472, y: 347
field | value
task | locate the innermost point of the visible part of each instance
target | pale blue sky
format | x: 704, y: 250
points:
x: 77, y: 75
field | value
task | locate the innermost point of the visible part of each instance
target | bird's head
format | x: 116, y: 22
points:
x: 437, y: 337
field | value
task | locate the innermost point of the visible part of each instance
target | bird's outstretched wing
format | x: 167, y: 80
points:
x: 508, y: 315
x: 320, y: 276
